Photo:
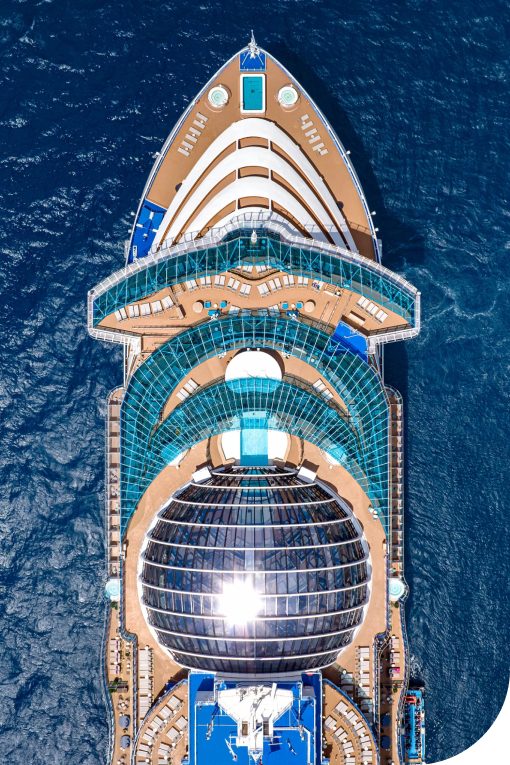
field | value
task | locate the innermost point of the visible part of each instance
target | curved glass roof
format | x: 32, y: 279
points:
x: 357, y: 383
x: 300, y: 411
x: 254, y: 571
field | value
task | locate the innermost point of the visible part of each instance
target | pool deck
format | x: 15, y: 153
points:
x: 330, y: 306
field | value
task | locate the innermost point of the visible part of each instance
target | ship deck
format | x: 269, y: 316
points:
x: 304, y: 125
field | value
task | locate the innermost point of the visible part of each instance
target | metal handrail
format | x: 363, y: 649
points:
x: 263, y: 219
x: 405, y: 684
x: 107, y: 699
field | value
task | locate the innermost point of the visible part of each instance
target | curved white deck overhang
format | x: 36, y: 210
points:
x: 254, y: 156
x: 318, y: 196
x: 255, y: 187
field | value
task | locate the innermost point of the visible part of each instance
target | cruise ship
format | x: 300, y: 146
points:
x: 254, y: 474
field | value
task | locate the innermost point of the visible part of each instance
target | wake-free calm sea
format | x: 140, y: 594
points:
x: 418, y: 92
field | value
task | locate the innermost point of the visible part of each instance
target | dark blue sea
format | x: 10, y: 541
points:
x: 418, y: 91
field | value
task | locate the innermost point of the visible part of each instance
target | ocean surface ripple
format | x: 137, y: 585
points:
x: 418, y: 91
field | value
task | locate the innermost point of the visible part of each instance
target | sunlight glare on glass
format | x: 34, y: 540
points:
x: 240, y: 603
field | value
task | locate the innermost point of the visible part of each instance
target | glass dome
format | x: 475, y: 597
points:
x: 255, y: 571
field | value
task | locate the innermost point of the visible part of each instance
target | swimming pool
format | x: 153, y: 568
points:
x: 254, y: 439
x: 253, y: 94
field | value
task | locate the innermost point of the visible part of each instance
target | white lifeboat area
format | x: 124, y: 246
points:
x: 220, y: 179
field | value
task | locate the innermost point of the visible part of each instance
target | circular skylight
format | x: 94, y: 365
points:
x: 218, y: 96
x: 288, y: 95
x: 254, y: 571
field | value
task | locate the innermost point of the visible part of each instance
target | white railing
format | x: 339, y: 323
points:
x: 262, y: 219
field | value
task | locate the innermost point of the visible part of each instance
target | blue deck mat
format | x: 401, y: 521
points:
x: 214, y: 740
x: 145, y: 229
x: 346, y: 338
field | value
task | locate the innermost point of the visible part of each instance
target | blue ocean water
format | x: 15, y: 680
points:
x: 418, y: 91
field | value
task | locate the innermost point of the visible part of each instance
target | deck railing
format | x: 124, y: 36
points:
x: 105, y: 693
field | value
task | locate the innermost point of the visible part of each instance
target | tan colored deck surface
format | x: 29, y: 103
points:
x: 331, y: 305
x: 152, y: 748
x: 174, y: 167
x: 336, y: 720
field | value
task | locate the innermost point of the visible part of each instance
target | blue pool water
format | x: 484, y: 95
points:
x: 254, y: 440
x: 89, y: 89
x: 253, y: 93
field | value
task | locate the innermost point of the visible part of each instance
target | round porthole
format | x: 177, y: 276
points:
x: 288, y: 96
x: 218, y: 96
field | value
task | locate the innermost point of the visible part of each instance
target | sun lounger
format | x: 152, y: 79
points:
x: 173, y: 735
x: 191, y: 285
x: 263, y: 289
x: 288, y: 280
x: 205, y: 281
x: 174, y: 703
x: 145, y: 309
x: 219, y: 281
x: 245, y: 290
x: 167, y: 302
x: 234, y: 309
x: 156, y: 306
x: 181, y: 723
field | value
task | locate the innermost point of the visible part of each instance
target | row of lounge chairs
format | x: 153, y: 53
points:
x: 372, y: 309
x: 289, y: 280
x: 312, y: 135
x: 144, y: 309
x: 188, y: 388
x: 145, y: 681
x: 219, y: 281
x: 352, y: 725
x: 260, y: 268
x: 171, y: 735
x: 363, y: 668
x: 321, y: 388
x: 114, y: 657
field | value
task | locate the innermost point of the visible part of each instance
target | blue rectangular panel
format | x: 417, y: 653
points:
x: 253, y: 93
x: 254, y: 449
x: 252, y: 63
